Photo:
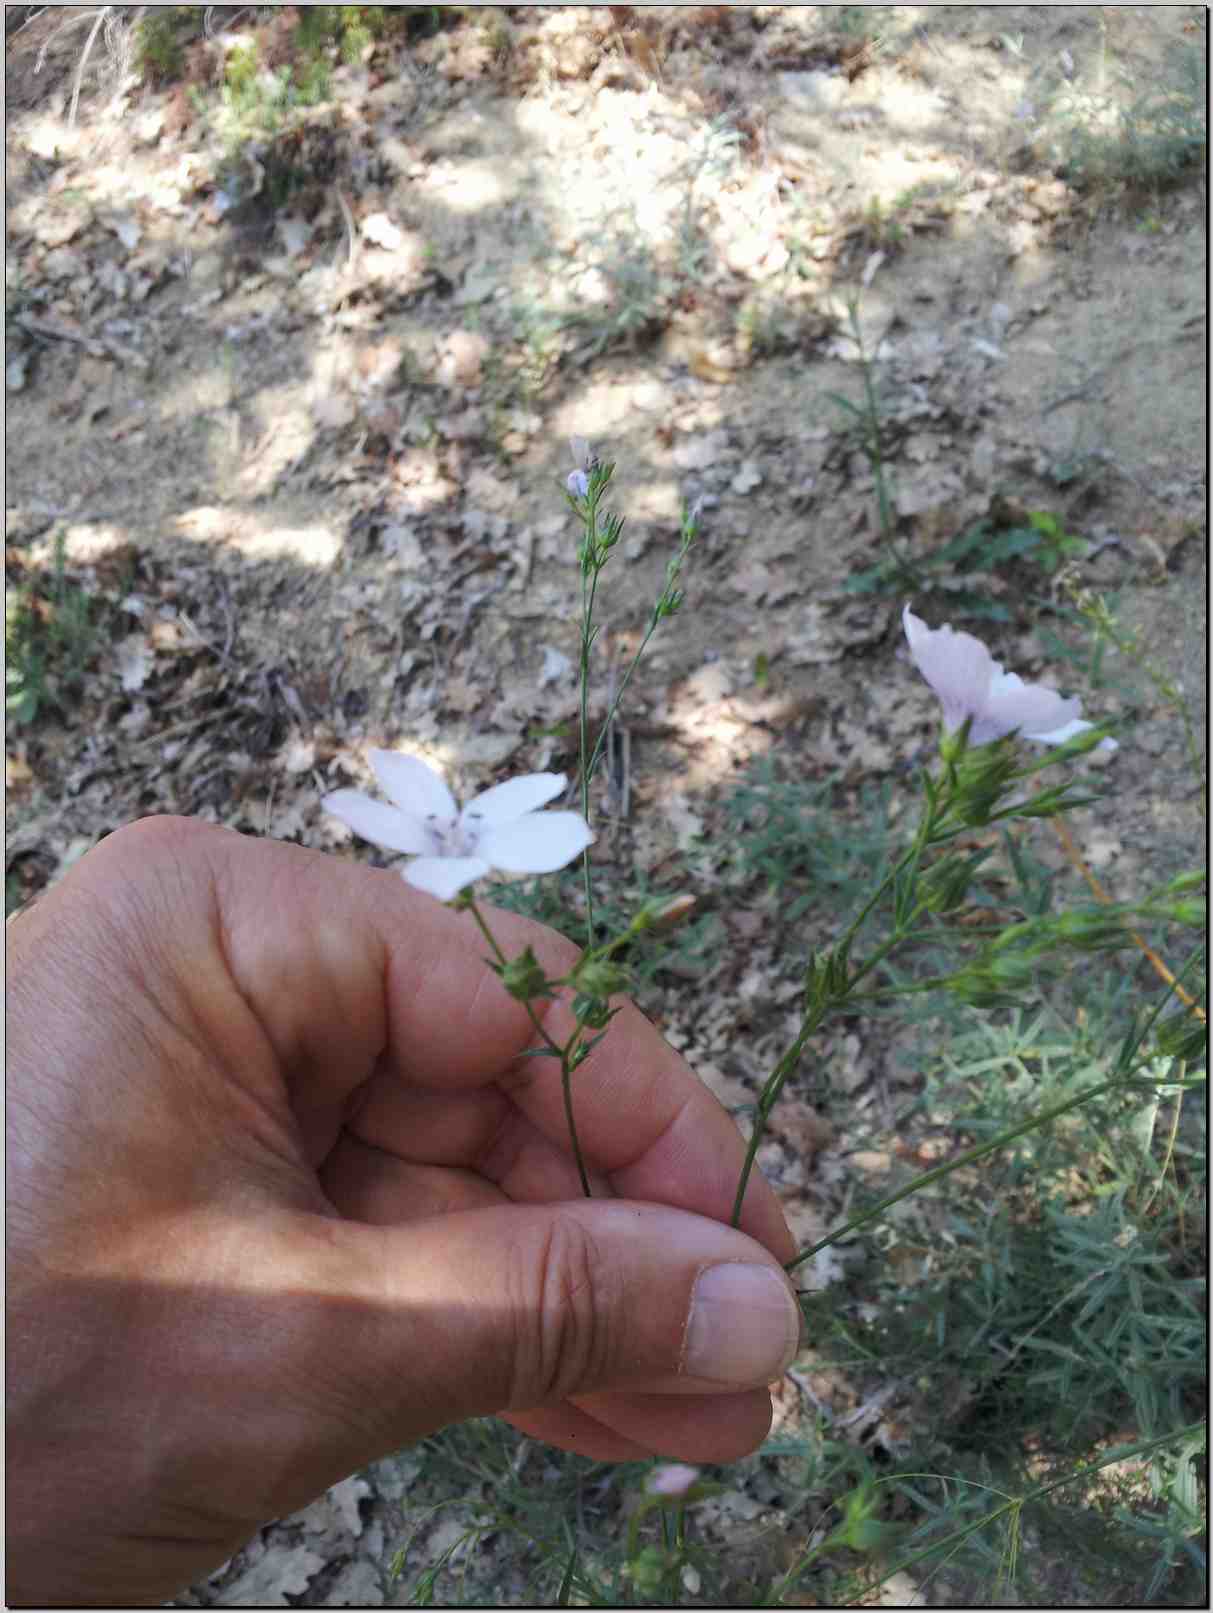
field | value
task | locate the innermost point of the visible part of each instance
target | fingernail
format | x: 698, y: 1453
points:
x: 744, y: 1327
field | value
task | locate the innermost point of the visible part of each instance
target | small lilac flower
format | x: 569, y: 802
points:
x: 674, y: 1478
x: 971, y: 684
x: 578, y: 483
x: 500, y: 828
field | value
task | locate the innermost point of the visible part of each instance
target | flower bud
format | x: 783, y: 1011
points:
x: 599, y: 977
x: 523, y: 977
x: 665, y: 917
x: 945, y: 886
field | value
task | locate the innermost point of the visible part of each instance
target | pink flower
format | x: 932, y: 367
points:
x: 971, y: 684
x: 674, y: 1478
x: 500, y: 828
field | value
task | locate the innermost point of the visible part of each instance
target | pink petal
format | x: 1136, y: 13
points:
x: 956, y: 665
x: 1030, y: 707
x: 444, y: 877
x: 672, y: 1478
x: 1058, y: 736
x: 537, y: 844
x: 413, y: 785
x: 381, y: 825
x: 506, y: 802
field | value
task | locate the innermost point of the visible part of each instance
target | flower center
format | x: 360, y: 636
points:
x: 453, y: 837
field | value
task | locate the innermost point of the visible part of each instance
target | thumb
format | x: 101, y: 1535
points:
x: 523, y: 1306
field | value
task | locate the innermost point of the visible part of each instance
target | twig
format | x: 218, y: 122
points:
x: 870, y: 1410
x: 179, y: 729
x: 88, y: 45
x: 72, y: 22
x: 802, y: 1383
x: 97, y: 346
x: 349, y: 224
x: 40, y: 11
x: 1074, y: 394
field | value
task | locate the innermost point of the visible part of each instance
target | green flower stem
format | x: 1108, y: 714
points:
x: 589, y: 587
x: 596, y: 754
x: 967, y: 1158
x: 875, y: 450
x: 564, y: 1054
x: 654, y: 620
x: 775, y: 1082
x: 767, y: 1101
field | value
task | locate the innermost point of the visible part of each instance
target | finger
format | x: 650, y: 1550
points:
x: 369, y: 1184
x: 555, y: 1302
x: 347, y: 970
x: 574, y: 1430
x: 720, y: 1428
x: 690, y: 1428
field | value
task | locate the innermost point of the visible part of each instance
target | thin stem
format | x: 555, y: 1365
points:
x: 589, y: 587
x: 566, y: 1092
x: 776, y: 1080
x: 967, y: 1158
x: 564, y: 1054
x: 614, y: 706
x: 688, y: 537
x: 770, y: 1096
x: 1170, y: 1150
x: 876, y: 453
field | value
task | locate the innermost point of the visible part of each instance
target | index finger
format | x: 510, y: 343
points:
x: 644, y: 1119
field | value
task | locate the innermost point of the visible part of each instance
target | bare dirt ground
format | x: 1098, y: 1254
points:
x: 308, y: 456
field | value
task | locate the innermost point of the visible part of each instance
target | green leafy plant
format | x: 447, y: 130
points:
x: 50, y: 632
x: 163, y: 33
x: 1145, y: 137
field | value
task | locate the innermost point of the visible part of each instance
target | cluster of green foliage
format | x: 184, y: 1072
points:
x: 51, y: 625
x: 1144, y: 138
x: 163, y: 34
x: 689, y: 951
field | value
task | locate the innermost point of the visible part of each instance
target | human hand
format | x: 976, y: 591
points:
x: 283, y: 1198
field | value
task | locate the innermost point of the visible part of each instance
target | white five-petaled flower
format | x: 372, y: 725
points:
x: 500, y: 828
x: 971, y: 684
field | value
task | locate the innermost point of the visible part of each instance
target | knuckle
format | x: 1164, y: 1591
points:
x: 565, y: 1315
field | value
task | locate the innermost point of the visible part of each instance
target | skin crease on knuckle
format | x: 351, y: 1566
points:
x: 562, y: 1306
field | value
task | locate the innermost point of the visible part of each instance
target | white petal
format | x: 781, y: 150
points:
x: 381, y: 825
x: 413, y: 785
x: 506, y: 802
x: 1059, y: 736
x: 956, y: 665
x: 538, y: 843
x: 444, y: 877
x: 1030, y: 707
